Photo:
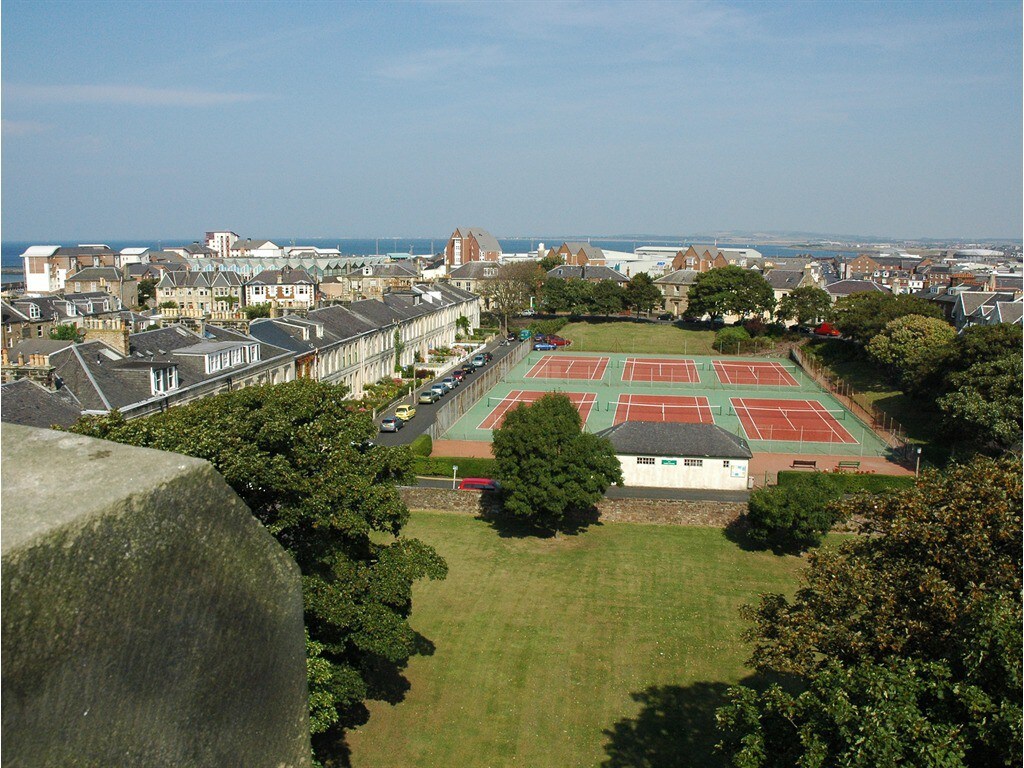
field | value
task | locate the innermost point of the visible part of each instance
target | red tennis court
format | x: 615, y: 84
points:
x: 584, y: 402
x: 759, y: 373
x: 796, y: 420
x: 688, y: 410
x: 568, y: 367
x: 659, y: 369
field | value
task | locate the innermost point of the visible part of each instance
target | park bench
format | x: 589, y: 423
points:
x: 844, y: 465
x: 804, y: 464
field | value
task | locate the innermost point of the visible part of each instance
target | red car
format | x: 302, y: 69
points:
x: 558, y: 341
x: 826, y: 330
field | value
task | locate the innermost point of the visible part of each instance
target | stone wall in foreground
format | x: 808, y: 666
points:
x: 148, y: 618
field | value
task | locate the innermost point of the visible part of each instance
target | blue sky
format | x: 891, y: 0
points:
x: 165, y: 119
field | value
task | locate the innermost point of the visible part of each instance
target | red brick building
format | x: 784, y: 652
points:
x: 470, y: 244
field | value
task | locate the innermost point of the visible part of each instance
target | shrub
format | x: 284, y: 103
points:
x: 795, y: 517
x: 548, y: 327
x: 850, y: 483
x: 441, y: 466
x: 755, y: 326
x: 422, y: 446
x: 731, y: 338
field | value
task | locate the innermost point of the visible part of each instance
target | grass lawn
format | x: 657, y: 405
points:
x: 607, y: 646
x: 920, y: 420
x: 648, y: 338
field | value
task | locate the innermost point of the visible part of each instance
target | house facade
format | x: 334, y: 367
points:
x: 675, y: 289
x: 285, y: 288
x: 104, y: 280
x: 470, y: 244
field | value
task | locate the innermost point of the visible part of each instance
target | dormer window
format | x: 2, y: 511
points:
x: 163, y: 380
x: 33, y: 311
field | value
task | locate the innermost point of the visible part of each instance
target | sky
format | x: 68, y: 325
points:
x: 126, y: 120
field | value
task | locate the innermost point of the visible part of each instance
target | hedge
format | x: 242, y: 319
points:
x: 422, y: 446
x: 851, y: 483
x: 441, y: 466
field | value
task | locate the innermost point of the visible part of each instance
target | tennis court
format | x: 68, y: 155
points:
x: 660, y: 369
x: 687, y: 410
x: 584, y: 402
x: 792, y: 420
x: 755, y: 373
x: 569, y: 367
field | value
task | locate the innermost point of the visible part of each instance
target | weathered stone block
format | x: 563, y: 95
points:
x: 148, y: 618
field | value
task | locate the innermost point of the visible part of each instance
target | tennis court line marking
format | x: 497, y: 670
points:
x: 583, y: 402
x: 824, y: 418
x: 560, y: 366
x: 697, y: 403
x: 632, y: 364
x: 724, y: 370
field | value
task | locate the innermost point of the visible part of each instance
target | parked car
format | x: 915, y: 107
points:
x: 512, y: 336
x: 479, y: 361
x: 391, y: 424
x: 429, y: 396
x: 825, y: 329
x: 543, y: 346
x: 558, y: 341
x: 439, y: 388
x: 666, y: 316
x: 528, y: 312
x: 466, y: 370
x: 479, y: 484
x: 524, y: 334
x: 488, y: 356
x: 458, y: 374
x: 450, y: 382
x: 405, y: 412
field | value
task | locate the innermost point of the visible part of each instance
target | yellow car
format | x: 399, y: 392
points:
x: 405, y: 412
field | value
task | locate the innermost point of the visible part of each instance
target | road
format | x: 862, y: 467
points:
x: 424, y: 417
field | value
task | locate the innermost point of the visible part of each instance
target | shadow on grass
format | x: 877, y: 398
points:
x: 385, y: 681
x: 512, y: 526
x: 675, y: 727
x: 738, y: 532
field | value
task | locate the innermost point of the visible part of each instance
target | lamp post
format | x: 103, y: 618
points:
x: 455, y: 470
x: 917, y: 467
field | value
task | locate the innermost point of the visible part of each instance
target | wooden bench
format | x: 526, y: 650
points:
x: 804, y: 464
x: 844, y: 465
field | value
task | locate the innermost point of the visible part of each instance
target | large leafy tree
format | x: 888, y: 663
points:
x: 903, y: 644
x: 861, y: 316
x: 808, y: 305
x: 510, y: 290
x: 608, y: 297
x: 548, y: 466
x: 983, y: 410
x: 298, y: 455
x: 730, y: 290
x: 641, y: 293
x: 794, y: 517
x: 916, y: 350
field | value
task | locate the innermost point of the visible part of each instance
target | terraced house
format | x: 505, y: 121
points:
x: 284, y: 288
x: 198, y: 294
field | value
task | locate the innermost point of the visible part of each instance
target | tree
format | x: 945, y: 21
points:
x: 399, y: 349
x: 916, y: 350
x: 904, y: 643
x: 808, y: 305
x: 168, y: 305
x: 607, y: 298
x: 641, y: 293
x: 146, y: 291
x: 731, y: 338
x: 548, y: 467
x: 510, y: 290
x: 861, y: 316
x: 794, y: 517
x: 66, y: 332
x: 579, y: 296
x: 554, y: 297
x: 730, y: 290
x: 254, y: 311
x: 551, y: 261
x: 297, y: 454
x: 983, y: 412
x: 462, y: 324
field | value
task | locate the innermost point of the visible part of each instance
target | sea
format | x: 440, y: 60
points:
x: 418, y: 246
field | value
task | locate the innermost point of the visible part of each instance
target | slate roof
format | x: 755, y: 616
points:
x: 1010, y: 312
x: 286, y: 333
x: 111, y: 274
x: 592, y: 252
x: 655, y: 438
x: 587, y: 272
x: 288, y: 277
x: 28, y: 403
x: 475, y: 270
x: 679, y: 277
x: 846, y: 287
x: 782, y: 279
x: 484, y: 239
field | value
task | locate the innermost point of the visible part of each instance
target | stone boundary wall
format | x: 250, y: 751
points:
x: 715, y: 514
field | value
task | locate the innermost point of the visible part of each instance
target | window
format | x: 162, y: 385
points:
x: 645, y: 460
x: 693, y: 462
x: 725, y: 463
x: 164, y: 380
